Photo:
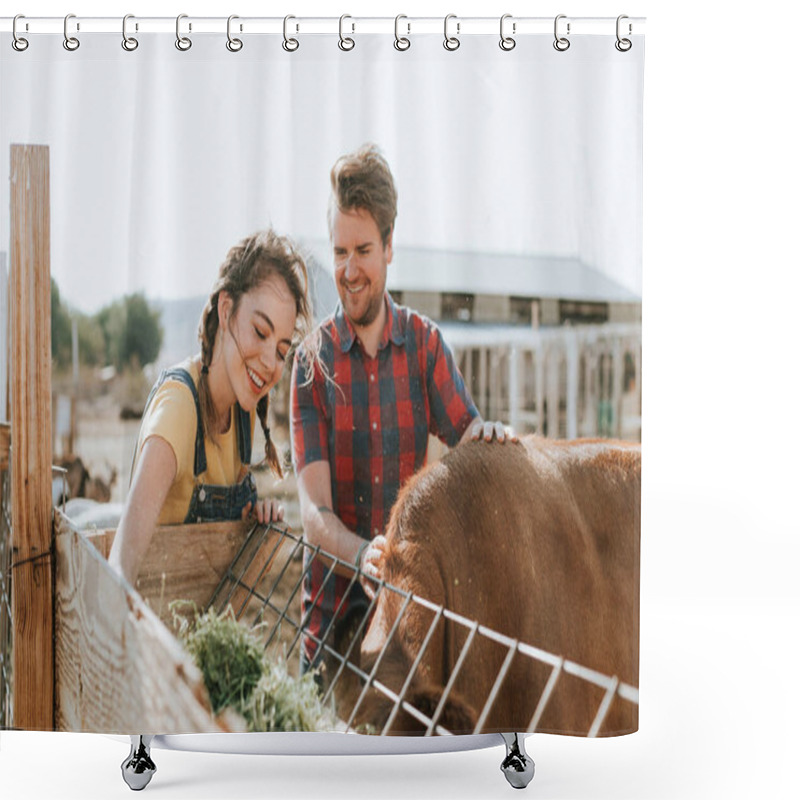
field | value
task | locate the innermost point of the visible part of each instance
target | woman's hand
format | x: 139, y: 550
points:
x: 372, y: 565
x: 265, y: 511
x: 493, y: 430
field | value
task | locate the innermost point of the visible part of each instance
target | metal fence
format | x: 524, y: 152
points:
x: 6, y: 628
x: 561, y: 382
x: 263, y: 585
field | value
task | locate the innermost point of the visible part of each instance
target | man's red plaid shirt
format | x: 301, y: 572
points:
x: 370, y: 421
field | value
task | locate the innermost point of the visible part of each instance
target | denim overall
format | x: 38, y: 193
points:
x: 211, y: 503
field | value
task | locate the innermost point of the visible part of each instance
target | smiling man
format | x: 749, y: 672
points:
x: 384, y: 381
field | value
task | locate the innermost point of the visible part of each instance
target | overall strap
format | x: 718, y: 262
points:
x: 242, y: 421
x: 182, y: 375
x: 243, y: 435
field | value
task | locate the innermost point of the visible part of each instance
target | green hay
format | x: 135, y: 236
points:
x: 283, y: 703
x: 227, y: 653
x: 237, y: 674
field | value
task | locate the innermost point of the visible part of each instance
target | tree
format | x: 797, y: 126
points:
x: 143, y: 333
x: 111, y: 320
x: 91, y: 341
x: 60, y: 329
x: 124, y: 333
x: 132, y: 331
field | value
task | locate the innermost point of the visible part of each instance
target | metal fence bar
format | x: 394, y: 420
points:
x: 338, y: 610
x: 603, y: 710
x: 412, y: 710
x: 501, y: 676
x: 307, y: 615
x: 584, y: 673
x: 275, y: 585
x: 629, y: 693
x: 611, y: 685
x: 545, y: 696
x: 411, y: 673
x: 376, y: 684
x: 232, y: 580
x: 378, y: 661
x: 345, y: 660
x: 291, y: 597
x: 590, y: 675
x: 453, y: 675
x: 261, y: 572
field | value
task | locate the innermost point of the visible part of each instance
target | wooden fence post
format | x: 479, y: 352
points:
x: 31, y: 426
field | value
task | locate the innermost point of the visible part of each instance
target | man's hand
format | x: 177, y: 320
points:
x: 372, y: 565
x: 493, y: 430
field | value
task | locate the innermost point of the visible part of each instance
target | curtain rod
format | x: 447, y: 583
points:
x: 407, y: 25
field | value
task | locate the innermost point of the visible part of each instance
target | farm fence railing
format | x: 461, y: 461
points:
x: 266, y: 589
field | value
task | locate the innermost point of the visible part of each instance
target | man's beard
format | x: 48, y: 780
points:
x: 370, y: 312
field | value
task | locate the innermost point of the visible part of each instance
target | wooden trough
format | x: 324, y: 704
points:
x: 118, y: 668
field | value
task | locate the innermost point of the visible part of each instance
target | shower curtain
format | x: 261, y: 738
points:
x: 508, y: 279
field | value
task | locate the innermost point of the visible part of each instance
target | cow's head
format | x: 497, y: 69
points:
x: 423, y: 693
x: 457, y: 716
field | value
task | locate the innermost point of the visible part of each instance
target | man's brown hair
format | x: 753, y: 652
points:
x: 363, y: 180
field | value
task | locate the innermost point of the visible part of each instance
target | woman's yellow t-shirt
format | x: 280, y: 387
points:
x: 172, y: 415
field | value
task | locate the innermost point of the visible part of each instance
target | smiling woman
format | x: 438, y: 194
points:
x: 195, y: 443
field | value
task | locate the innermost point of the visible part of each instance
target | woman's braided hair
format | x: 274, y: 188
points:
x: 246, y: 266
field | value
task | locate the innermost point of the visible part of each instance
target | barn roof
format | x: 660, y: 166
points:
x: 416, y: 269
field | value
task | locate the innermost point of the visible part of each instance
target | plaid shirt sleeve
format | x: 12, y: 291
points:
x: 308, y: 420
x: 451, y: 406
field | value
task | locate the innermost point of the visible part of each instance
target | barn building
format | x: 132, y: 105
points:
x: 546, y: 343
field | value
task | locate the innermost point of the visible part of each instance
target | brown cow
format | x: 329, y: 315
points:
x: 538, y: 541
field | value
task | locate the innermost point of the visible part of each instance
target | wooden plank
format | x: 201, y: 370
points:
x: 187, y: 562
x: 31, y: 423
x: 118, y: 669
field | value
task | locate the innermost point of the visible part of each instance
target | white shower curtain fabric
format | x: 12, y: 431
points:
x: 170, y: 156
x: 517, y: 242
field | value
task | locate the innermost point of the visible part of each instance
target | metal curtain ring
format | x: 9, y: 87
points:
x: 507, y: 42
x: 183, y: 43
x: 70, y: 42
x: 345, y: 43
x: 401, y: 43
x: 451, y: 42
x: 561, y: 43
x: 623, y: 45
x: 290, y: 45
x: 128, y: 42
x: 234, y: 45
x: 18, y: 42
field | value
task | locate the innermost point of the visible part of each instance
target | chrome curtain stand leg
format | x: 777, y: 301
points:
x: 138, y: 768
x: 517, y: 766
